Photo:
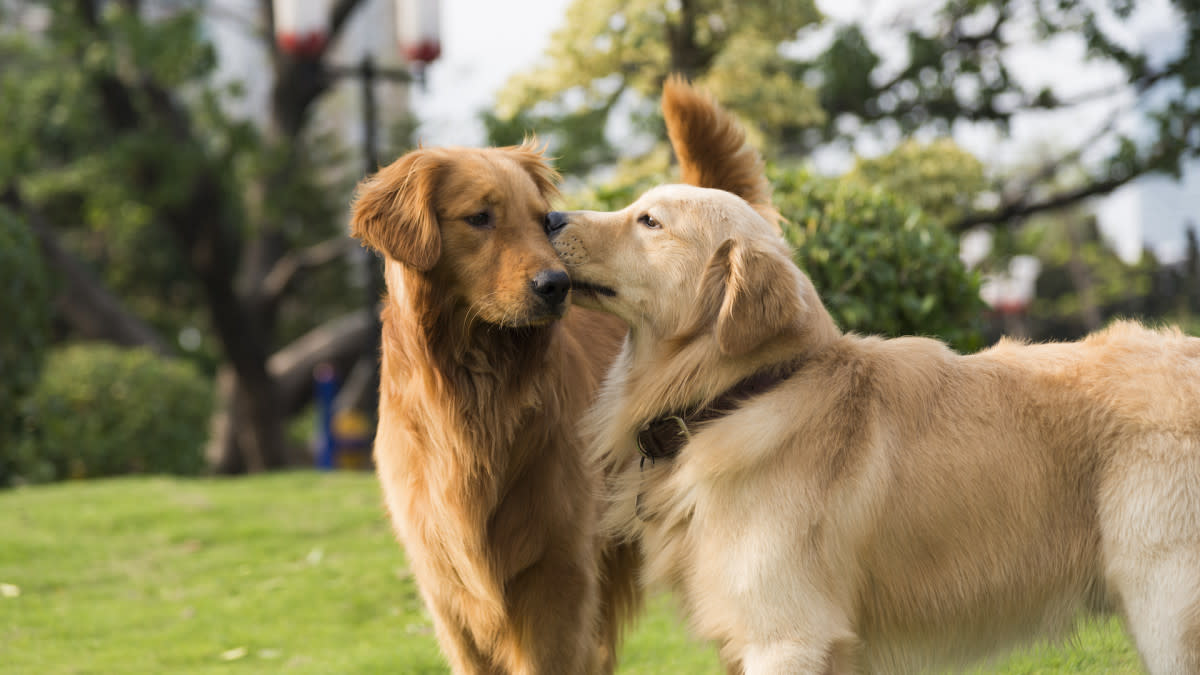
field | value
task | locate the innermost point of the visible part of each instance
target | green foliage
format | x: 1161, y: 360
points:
x: 94, y: 165
x: 110, y: 129
x: 940, y: 177
x: 25, y: 306
x: 100, y: 410
x: 632, y: 178
x: 1188, y: 323
x: 577, y: 138
x: 614, y: 55
x: 881, y: 267
x: 845, y: 69
x: 1072, y: 248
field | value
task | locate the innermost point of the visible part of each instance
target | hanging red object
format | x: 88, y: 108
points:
x: 300, y: 28
x: 418, y: 30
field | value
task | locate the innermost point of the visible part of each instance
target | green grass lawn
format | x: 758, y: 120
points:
x: 291, y: 572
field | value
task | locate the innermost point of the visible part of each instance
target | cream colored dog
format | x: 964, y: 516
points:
x: 824, y: 502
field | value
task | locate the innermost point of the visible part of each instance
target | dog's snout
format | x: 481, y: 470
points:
x: 555, y: 221
x: 552, y: 286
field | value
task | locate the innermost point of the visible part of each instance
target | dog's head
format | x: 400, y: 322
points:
x: 472, y: 220
x: 686, y: 263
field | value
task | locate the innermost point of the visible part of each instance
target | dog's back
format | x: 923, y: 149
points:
x: 976, y: 502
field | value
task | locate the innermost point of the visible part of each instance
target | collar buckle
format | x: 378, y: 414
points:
x: 658, y: 440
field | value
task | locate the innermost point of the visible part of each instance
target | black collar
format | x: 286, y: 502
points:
x: 663, y: 436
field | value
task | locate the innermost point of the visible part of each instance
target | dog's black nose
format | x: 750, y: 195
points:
x: 555, y: 221
x: 552, y: 286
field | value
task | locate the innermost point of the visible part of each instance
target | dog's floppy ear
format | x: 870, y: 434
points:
x: 531, y: 156
x: 748, y: 295
x: 393, y: 211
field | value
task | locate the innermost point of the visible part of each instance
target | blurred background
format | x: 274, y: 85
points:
x: 177, y: 293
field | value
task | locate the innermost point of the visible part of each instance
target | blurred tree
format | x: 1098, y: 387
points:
x: 119, y: 156
x: 1082, y: 282
x: 954, y: 68
x: 1189, y: 274
x: 25, y: 306
x: 610, y: 48
x: 940, y: 178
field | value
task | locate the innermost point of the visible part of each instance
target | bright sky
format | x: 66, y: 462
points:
x: 483, y: 43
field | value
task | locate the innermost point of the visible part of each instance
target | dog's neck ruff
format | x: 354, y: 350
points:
x: 664, y: 436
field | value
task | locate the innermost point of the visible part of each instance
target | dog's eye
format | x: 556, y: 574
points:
x: 649, y: 222
x: 481, y: 219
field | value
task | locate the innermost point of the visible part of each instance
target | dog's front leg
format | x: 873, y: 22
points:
x: 551, y: 626
x: 459, y: 646
x: 799, y: 657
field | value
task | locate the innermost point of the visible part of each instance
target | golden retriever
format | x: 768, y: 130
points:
x: 825, y: 502
x: 485, y: 375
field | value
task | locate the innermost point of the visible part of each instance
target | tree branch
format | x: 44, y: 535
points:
x: 1052, y: 167
x: 955, y: 40
x: 338, y: 341
x: 288, y: 268
x: 338, y: 16
x: 266, y: 10
x: 1023, y: 208
x: 88, y: 307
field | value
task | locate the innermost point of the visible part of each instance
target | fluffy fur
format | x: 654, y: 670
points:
x: 482, y: 388
x: 701, y: 131
x: 893, y: 506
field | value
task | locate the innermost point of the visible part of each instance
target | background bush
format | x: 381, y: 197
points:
x: 100, y: 410
x: 24, y: 323
x: 881, y: 267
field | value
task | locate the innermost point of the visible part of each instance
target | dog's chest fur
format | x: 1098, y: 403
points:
x: 474, y: 447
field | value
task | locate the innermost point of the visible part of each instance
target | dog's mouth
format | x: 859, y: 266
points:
x: 592, y: 290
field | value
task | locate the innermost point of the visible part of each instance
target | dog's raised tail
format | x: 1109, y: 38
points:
x: 711, y: 145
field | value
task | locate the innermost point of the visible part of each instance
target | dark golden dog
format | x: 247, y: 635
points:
x: 486, y: 373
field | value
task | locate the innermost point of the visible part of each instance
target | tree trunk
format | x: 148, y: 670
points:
x: 223, y: 453
x: 245, y: 435
x: 1081, y: 279
x: 688, y: 56
x: 232, y: 448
